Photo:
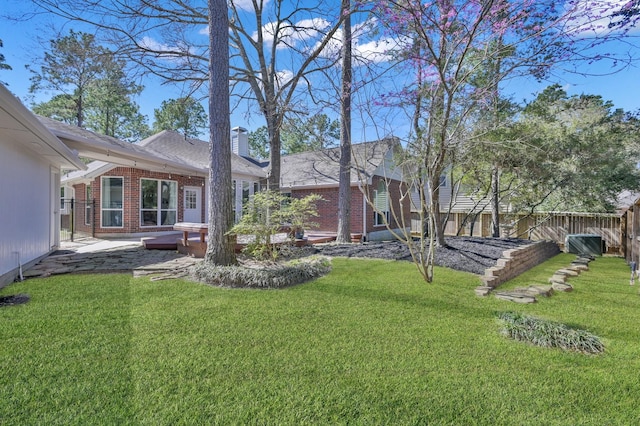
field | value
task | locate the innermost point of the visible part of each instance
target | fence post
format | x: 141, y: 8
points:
x: 72, y: 218
x: 93, y: 217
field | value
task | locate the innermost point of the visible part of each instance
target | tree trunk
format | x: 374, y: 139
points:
x: 495, y: 202
x: 220, y: 247
x: 275, y: 145
x: 438, y: 226
x: 344, y: 191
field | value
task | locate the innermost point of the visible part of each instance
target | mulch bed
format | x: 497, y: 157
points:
x: 469, y: 254
x: 14, y: 299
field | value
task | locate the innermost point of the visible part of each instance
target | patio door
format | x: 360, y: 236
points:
x: 192, y: 204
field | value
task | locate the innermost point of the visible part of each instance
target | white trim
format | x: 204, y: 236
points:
x: 198, y: 191
x: 54, y: 202
x: 87, y: 205
x: 237, y: 201
x: 66, y: 158
x: 65, y: 199
x: 123, y: 156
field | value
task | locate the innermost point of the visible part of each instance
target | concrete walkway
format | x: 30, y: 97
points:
x: 103, y: 256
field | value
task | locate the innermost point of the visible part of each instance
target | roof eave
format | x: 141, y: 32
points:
x: 27, y: 119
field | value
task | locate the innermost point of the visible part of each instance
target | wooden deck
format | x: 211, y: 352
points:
x: 173, y: 241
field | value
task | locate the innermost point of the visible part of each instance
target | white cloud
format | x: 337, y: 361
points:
x: 246, y: 4
x: 591, y: 18
x: 154, y: 45
x: 377, y: 51
x: 289, y: 34
x: 283, y: 77
x: 364, y: 49
x: 163, y: 50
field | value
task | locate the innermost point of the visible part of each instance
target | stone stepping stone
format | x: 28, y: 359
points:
x: 567, y: 272
x: 560, y: 278
x: 579, y: 267
x: 515, y: 297
x: 564, y: 287
x: 539, y: 290
x: 483, y: 290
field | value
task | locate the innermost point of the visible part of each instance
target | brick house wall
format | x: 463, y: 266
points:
x: 328, y: 209
x: 131, y: 202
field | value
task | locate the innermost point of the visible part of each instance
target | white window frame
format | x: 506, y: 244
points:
x: 239, y: 187
x: 159, y: 208
x: 380, y: 209
x: 66, y: 195
x: 88, y: 211
x: 108, y: 209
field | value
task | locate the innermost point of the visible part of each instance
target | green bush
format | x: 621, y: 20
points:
x: 268, y: 276
x: 269, y: 212
x: 548, y: 333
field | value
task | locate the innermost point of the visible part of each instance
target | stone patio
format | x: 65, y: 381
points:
x: 111, y: 256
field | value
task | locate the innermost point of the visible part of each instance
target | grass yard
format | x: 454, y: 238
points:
x: 368, y: 344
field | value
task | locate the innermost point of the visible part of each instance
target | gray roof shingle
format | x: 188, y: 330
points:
x: 322, y: 168
x: 194, y: 152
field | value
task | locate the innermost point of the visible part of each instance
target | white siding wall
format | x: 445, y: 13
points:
x: 25, y: 208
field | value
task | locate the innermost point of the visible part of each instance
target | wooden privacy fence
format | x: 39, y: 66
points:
x: 631, y: 232
x: 554, y: 226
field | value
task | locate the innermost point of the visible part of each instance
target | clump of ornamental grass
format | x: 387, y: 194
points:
x: 265, y: 275
x: 548, y: 334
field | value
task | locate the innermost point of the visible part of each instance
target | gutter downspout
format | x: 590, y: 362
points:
x: 19, y: 266
x: 365, y: 236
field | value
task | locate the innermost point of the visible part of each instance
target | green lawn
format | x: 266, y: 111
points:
x: 369, y: 344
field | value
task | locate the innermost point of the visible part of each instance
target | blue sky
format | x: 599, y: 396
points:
x: 21, y: 48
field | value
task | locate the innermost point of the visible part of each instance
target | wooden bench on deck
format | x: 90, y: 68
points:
x: 192, y: 248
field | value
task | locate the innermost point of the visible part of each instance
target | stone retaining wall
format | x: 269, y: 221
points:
x: 516, y: 261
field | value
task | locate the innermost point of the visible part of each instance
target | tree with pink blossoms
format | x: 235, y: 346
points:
x: 445, y: 45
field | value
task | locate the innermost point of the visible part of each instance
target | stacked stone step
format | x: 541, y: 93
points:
x: 559, y: 279
x: 557, y: 283
x: 514, y: 262
x: 525, y: 295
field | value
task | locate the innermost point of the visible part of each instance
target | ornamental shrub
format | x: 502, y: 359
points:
x: 548, y: 334
x: 269, y: 212
x: 266, y: 276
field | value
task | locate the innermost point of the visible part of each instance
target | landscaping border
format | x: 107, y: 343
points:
x: 514, y: 262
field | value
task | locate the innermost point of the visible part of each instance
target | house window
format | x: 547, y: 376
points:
x: 112, y: 202
x: 443, y: 181
x: 66, y: 195
x: 87, y: 206
x: 381, y: 203
x: 242, y: 192
x: 246, y: 192
x: 159, y: 202
x: 190, y: 199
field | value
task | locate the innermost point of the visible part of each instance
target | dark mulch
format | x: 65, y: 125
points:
x: 469, y: 254
x: 14, y: 299
x: 61, y: 252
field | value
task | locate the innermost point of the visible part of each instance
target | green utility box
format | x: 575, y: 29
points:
x: 584, y: 244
